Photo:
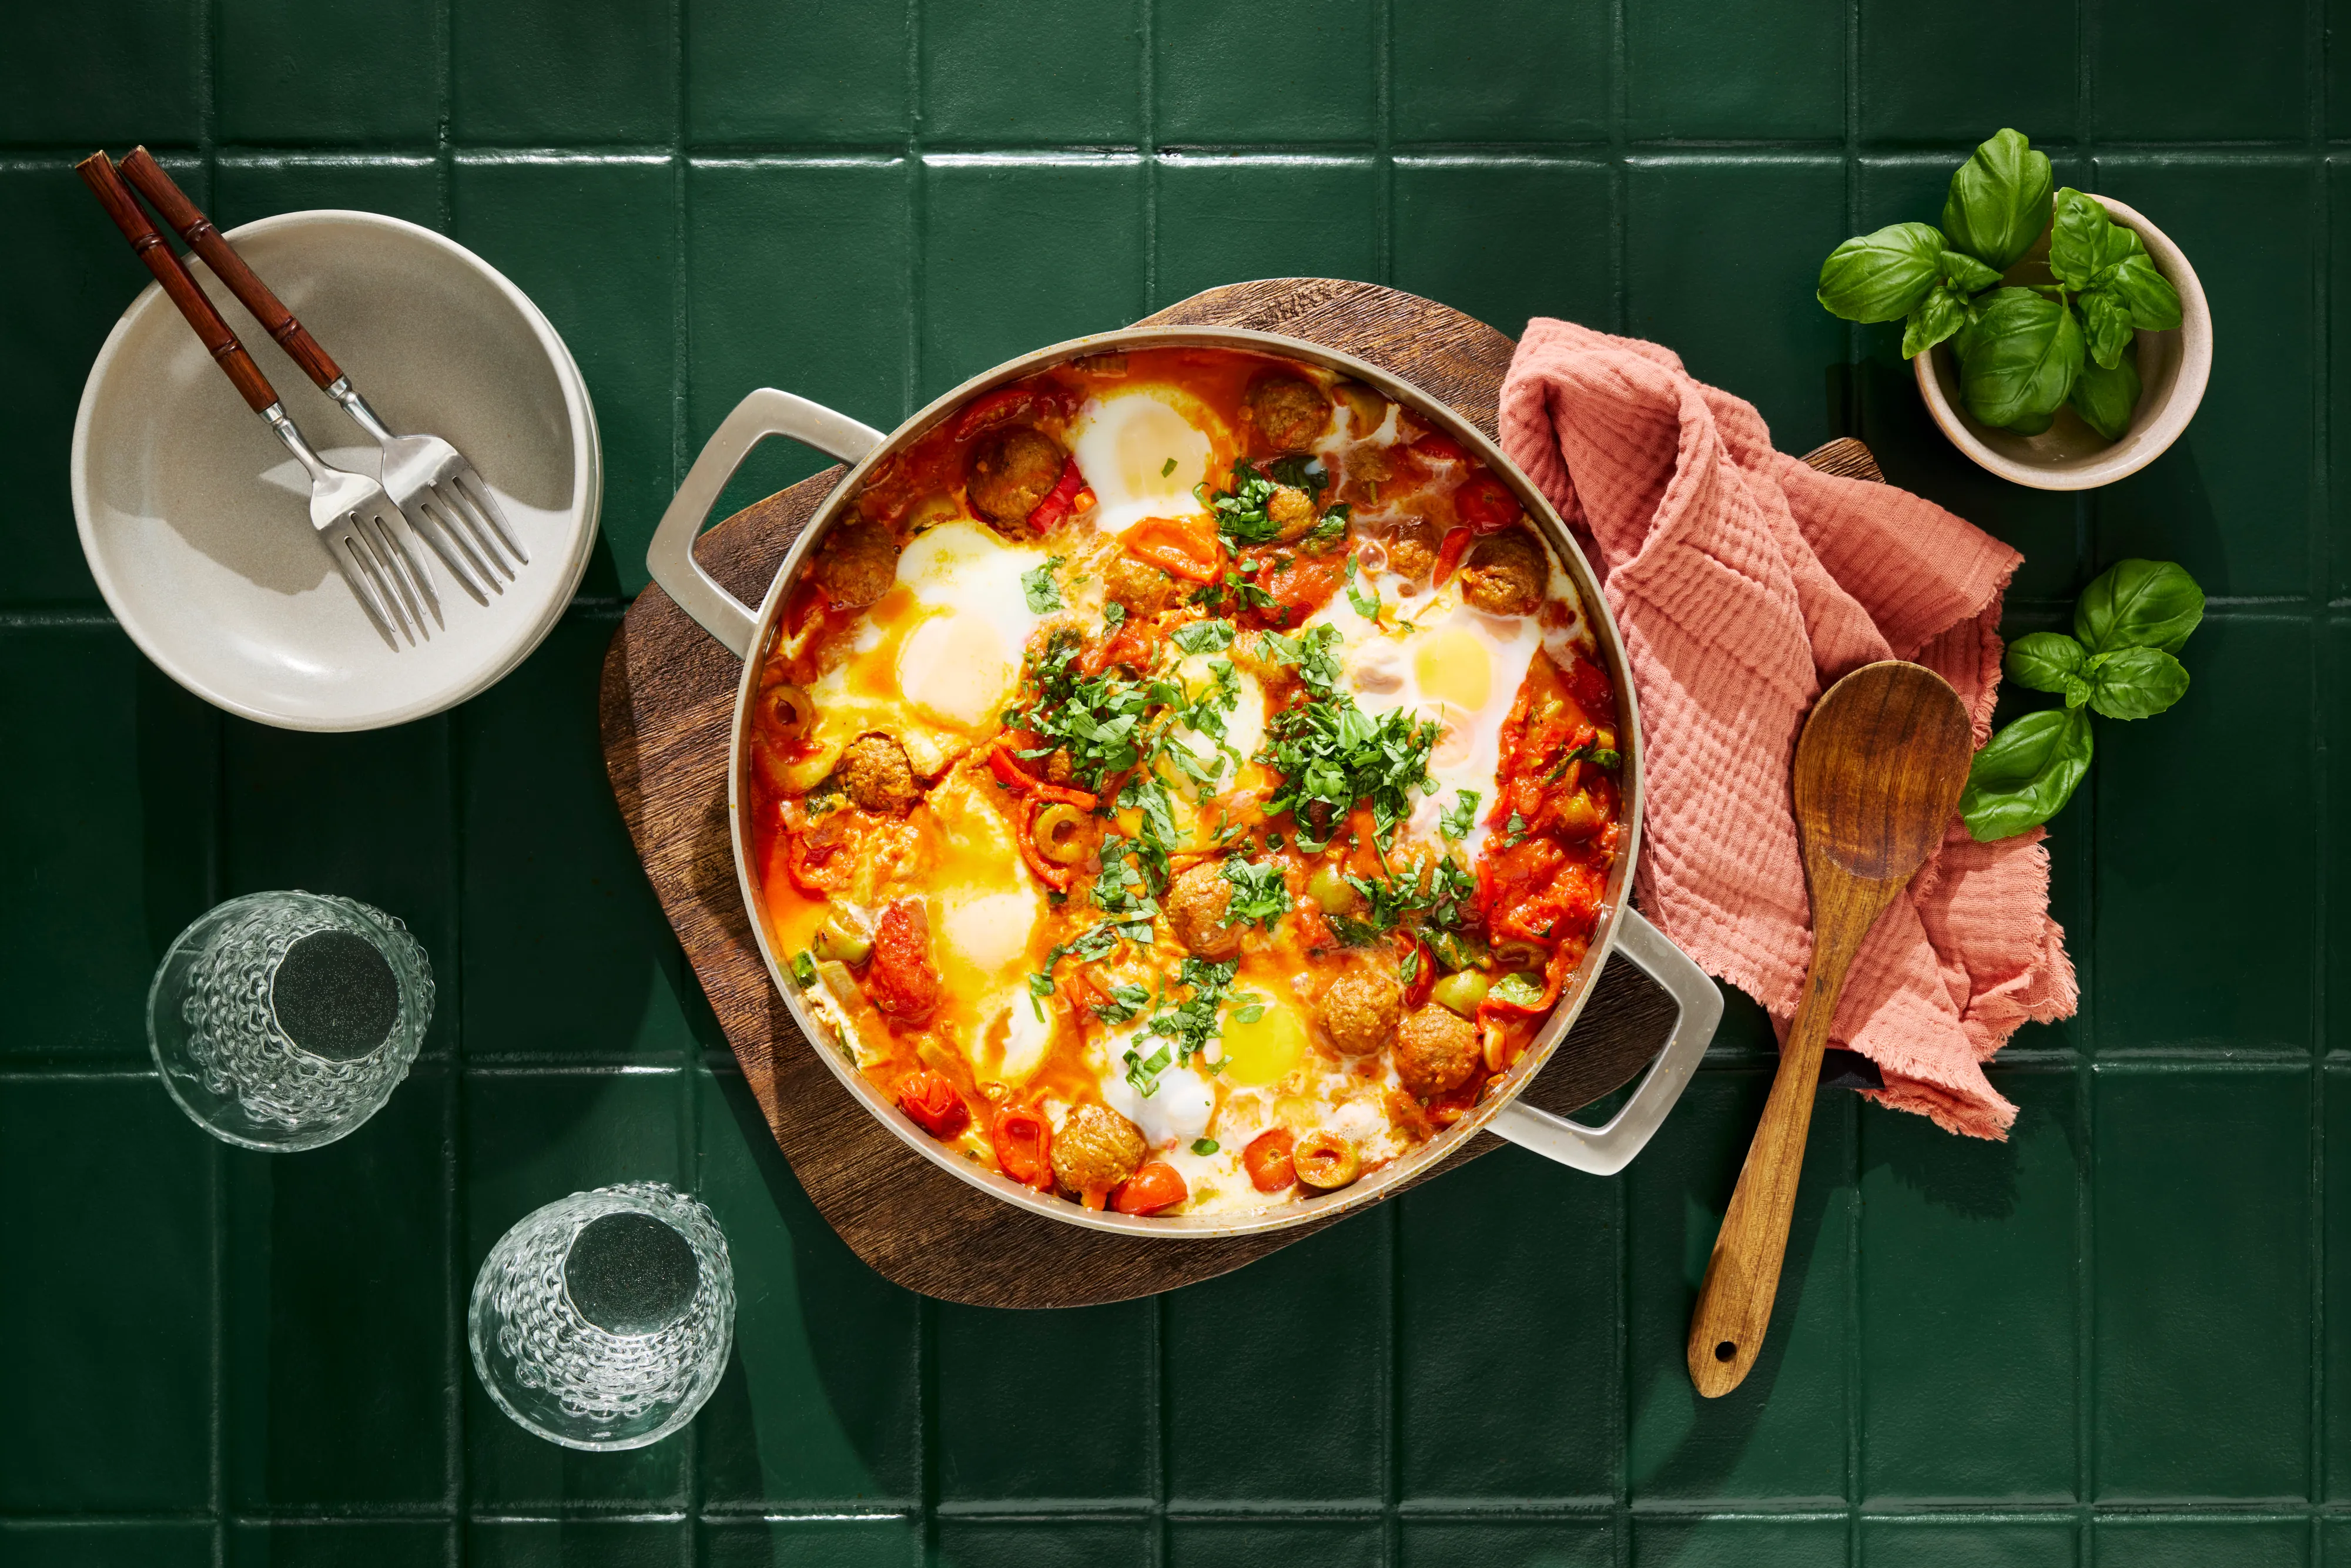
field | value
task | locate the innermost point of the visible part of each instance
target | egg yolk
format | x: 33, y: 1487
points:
x: 1260, y: 1051
x: 1452, y: 667
x: 954, y: 668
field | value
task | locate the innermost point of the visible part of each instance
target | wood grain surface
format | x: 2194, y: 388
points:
x: 666, y: 703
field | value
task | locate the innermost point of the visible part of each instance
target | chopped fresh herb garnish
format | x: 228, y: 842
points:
x: 1260, y: 897
x: 1331, y: 525
x: 1044, y: 596
x: 1366, y: 601
x: 1409, y: 970
x: 1205, y: 636
x: 1456, y: 823
x: 1589, y: 752
x: 1330, y: 754
x: 1252, y: 1007
x: 1190, y: 1026
x: 1096, y: 719
x: 1114, y: 615
x: 1203, y: 1147
x: 1273, y: 839
x: 1514, y: 829
x: 1166, y: 468
x: 804, y: 968
x: 1520, y: 990
x: 1125, y: 1002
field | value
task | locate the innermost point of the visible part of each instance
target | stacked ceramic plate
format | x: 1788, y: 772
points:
x: 195, y: 520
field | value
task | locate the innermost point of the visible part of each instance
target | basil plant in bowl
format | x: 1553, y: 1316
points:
x: 2059, y: 339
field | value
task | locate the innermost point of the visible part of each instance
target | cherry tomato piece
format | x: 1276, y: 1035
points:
x: 1156, y: 1185
x: 1023, y: 1142
x: 1266, y: 1160
x: 934, y: 1102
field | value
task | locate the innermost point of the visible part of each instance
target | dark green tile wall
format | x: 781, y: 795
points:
x: 2122, y: 1338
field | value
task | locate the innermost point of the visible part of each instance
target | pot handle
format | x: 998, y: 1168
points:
x: 1604, y: 1151
x: 765, y: 413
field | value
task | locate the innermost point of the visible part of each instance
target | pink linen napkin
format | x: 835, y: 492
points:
x: 1746, y: 583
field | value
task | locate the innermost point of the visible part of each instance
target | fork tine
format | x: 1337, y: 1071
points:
x: 399, y: 566
x: 362, y: 550
x: 470, y: 488
x: 339, y: 551
x: 429, y: 529
x: 393, y: 527
x: 461, y: 536
x: 457, y: 506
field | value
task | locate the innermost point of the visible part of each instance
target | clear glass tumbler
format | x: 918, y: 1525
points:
x: 282, y: 1021
x: 604, y: 1319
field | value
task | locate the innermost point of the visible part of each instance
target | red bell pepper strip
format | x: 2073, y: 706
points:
x: 1449, y: 552
x: 1060, y: 500
x: 1176, y: 547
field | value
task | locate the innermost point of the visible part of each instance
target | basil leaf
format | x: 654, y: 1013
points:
x: 2045, y: 660
x: 2154, y: 303
x: 2078, y: 238
x: 1966, y: 274
x: 2139, y: 604
x: 1933, y: 319
x: 2136, y: 683
x: 2022, y: 357
x: 2032, y: 424
x: 2025, y: 773
x: 2106, y: 396
x: 1964, y: 341
x: 2107, y: 323
x: 1880, y: 277
x: 2000, y: 201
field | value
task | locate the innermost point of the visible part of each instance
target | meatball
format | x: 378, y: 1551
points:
x: 857, y: 564
x: 1506, y: 574
x: 1011, y: 471
x: 1289, y: 413
x: 1142, y: 587
x: 877, y: 776
x: 1095, y: 1149
x: 1292, y: 510
x: 1412, y: 550
x: 1435, y: 1050
x: 1360, y: 1010
x: 1196, y: 904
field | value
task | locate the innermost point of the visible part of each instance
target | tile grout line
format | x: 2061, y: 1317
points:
x: 2322, y: 699
x: 2085, y: 28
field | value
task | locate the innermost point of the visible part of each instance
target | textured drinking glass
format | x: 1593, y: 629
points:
x: 604, y: 1319
x: 283, y: 1021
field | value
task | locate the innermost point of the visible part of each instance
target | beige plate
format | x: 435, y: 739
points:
x: 196, y: 521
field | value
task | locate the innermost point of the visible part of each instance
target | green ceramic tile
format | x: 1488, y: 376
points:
x: 2231, y: 499
x: 1782, y: 1433
x: 567, y: 954
x: 2335, y: 1536
x: 1969, y: 1543
x: 2336, y: 1369
x: 1745, y: 1033
x: 341, y: 1543
x: 1229, y: 71
x: 59, y: 86
x: 2244, y: 981
x: 1506, y: 1543
x: 111, y: 1398
x: 330, y: 72
x: 2338, y: 369
x: 1749, y: 1542
x: 110, y: 839
x: 531, y: 1138
x: 1725, y: 70
x: 1892, y: 417
x: 2173, y: 70
x: 1512, y: 1248
x: 1223, y: 219
x: 2196, y: 1542
x: 1509, y: 241
x: 580, y: 1543
x: 1969, y: 1248
x: 593, y: 72
x: 764, y: 74
x: 1454, y: 83
x: 2336, y: 1024
x: 595, y: 243
x: 2200, y: 1285
x: 251, y: 185
x: 1721, y: 259
x: 1251, y: 1543
x: 878, y: 1542
x: 990, y: 286
x: 798, y: 276
x: 1925, y: 82
x: 72, y: 260
x: 819, y: 1412
x: 995, y: 73
x: 965, y: 1543
x: 339, y: 1357
x: 1080, y: 1424
x: 111, y: 1543
x: 286, y: 822
x: 1333, y: 1380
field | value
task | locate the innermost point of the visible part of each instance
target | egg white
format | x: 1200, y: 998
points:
x: 961, y: 660
x: 1125, y: 443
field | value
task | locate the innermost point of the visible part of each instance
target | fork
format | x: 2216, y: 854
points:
x: 438, y: 491
x: 350, y: 512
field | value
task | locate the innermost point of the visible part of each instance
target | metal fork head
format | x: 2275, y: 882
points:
x: 442, y: 495
x: 356, y: 522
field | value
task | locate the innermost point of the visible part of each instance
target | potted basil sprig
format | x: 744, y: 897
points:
x: 2120, y: 663
x: 2031, y: 337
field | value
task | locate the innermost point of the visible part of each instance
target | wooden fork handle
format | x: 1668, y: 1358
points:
x: 99, y: 174
x: 142, y: 170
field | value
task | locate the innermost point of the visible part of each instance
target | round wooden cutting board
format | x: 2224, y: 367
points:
x: 667, y: 699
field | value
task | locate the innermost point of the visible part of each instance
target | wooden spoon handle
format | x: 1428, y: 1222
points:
x: 164, y: 194
x: 1742, y: 1275
x: 99, y: 174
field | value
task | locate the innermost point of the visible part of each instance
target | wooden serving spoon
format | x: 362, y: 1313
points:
x: 1879, y: 773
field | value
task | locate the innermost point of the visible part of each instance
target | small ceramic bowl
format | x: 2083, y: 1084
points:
x: 196, y: 521
x: 2069, y: 455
